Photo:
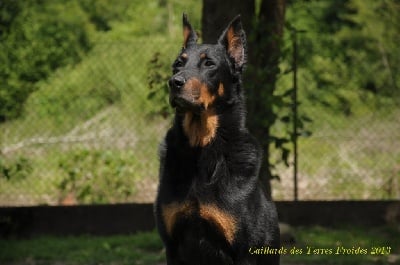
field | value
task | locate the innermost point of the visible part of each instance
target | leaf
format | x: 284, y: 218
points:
x: 285, y: 119
x: 306, y: 118
x: 280, y: 141
x: 277, y: 177
x: 151, y: 95
x: 285, y: 156
x: 288, y: 92
x: 306, y: 133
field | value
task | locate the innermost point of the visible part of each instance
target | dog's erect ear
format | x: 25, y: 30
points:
x: 234, y: 40
x: 189, y: 35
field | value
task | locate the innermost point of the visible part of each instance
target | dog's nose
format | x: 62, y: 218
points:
x: 177, y: 82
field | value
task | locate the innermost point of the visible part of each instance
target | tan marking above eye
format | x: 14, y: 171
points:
x: 184, y: 55
x: 203, y: 56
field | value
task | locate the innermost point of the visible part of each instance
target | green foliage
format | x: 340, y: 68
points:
x: 40, y: 36
x: 15, y: 169
x: 348, y: 51
x: 376, y: 32
x: 37, y: 37
x: 73, y: 95
x: 159, y: 73
x: 106, y: 12
x: 98, y: 176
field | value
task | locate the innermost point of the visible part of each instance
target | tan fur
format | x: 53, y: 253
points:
x: 205, y: 97
x: 186, y: 34
x: 199, y: 91
x: 234, y: 48
x: 172, y: 211
x: 193, y: 87
x: 221, y: 90
x: 200, y: 130
x: 224, y: 222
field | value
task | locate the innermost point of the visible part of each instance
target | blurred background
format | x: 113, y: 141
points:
x: 83, y: 98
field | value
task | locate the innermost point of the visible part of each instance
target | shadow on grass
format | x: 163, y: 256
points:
x: 349, y: 245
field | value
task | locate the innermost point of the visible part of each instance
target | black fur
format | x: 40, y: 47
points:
x: 210, y: 208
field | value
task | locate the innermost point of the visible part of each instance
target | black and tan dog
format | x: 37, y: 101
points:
x: 210, y: 208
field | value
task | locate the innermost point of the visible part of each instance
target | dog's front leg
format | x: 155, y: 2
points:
x: 172, y: 258
x: 245, y: 261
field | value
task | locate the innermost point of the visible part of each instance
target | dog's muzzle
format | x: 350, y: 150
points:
x: 176, y: 83
x: 180, y: 99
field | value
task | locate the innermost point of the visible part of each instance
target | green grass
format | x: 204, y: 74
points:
x: 348, y: 237
x: 146, y: 248
x: 142, y: 248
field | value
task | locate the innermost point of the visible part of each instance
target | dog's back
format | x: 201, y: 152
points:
x: 210, y: 208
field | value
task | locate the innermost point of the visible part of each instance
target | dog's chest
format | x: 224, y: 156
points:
x: 194, y: 191
x: 177, y: 213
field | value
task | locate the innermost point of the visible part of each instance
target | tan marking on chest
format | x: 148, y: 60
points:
x: 200, y: 129
x: 171, y: 212
x: 222, y: 220
x: 225, y: 222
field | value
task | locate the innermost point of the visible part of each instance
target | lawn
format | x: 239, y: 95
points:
x: 318, y: 245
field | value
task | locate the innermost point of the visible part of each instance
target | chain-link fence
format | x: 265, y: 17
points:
x: 350, y: 159
x: 89, y: 135
x: 351, y: 148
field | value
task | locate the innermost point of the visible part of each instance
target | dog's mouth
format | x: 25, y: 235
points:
x: 182, y: 104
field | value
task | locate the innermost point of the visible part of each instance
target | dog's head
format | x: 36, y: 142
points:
x: 206, y: 73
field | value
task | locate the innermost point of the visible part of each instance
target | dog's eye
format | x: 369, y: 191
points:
x: 209, y: 63
x: 178, y: 64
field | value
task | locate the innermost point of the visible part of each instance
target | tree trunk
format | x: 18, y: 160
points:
x: 218, y: 13
x: 264, y: 53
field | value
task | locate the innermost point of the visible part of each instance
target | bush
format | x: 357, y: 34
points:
x: 39, y: 37
x: 15, y: 169
x: 98, y: 176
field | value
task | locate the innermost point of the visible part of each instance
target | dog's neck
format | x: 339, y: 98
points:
x: 201, y: 128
